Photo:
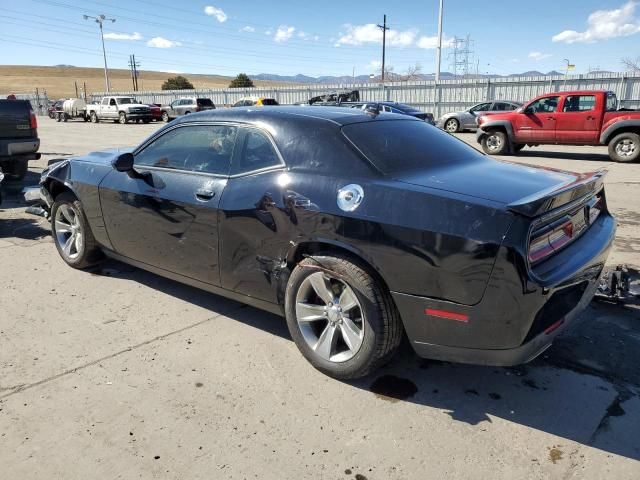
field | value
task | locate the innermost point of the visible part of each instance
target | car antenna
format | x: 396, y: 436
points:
x: 373, y: 109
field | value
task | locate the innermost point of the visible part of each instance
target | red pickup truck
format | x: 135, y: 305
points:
x: 584, y: 117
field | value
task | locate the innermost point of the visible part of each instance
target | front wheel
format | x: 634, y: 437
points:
x: 71, y: 232
x: 165, y: 117
x: 342, y: 320
x: 625, y: 147
x: 122, y: 118
x: 495, y: 142
x: 93, y: 117
x: 452, y: 125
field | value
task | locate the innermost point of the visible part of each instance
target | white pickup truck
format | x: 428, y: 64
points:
x: 119, y: 109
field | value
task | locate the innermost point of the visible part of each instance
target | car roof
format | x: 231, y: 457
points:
x: 307, y: 114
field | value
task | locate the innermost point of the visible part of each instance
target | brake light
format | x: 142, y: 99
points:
x: 33, y: 120
x: 556, y: 235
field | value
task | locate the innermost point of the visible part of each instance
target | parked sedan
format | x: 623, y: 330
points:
x: 185, y: 106
x: 353, y: 226
x: 468, y: 120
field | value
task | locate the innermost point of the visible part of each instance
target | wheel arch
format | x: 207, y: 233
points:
x: 632, y: 126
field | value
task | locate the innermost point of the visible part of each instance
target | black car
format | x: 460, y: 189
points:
x: 19, y: 140
x: 389, y: 107
x: 356, y: 227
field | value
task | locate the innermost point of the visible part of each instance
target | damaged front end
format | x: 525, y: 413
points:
x: 38, y: 197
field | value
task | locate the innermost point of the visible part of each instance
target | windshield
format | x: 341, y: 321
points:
x: 126, y: 100
x: 396, y: 146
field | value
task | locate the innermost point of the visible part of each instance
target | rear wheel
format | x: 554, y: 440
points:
x: 16, y: 169
x: 495, y: 142
x: 625, y: 147
x: 71, y: 232
x: 342, y: 320
x: 452, y: 125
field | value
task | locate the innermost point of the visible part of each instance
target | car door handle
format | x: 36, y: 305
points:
x: 550, y: 118
x: 591, y: 118
x: 205, y: 194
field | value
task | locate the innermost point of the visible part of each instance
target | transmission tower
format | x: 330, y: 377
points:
x: 461, y: 57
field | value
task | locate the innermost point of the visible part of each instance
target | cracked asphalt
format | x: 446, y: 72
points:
x: 118, y: 373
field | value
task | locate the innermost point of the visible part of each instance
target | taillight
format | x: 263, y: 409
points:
x: 33, y: 120
x: 552, y: 237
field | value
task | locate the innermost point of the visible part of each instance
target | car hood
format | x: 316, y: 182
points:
x: 489, y: 179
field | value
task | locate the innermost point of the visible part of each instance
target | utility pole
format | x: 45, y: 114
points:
x: 439, y: 49
x: 384, y: 41
x: 100, y: 19
x: 133, y: 65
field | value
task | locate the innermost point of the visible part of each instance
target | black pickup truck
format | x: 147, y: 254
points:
x: 19, y: 140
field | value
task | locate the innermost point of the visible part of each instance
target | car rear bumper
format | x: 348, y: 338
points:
x: 515, y: 321
x: 19, y: 147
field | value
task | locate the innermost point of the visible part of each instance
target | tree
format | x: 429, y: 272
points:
x: 413, y: 73
x: 241, y: 81
x: 631, y: 64
x: 177, y: 83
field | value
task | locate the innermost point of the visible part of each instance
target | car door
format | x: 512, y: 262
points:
x: 469, y: 118
x: 173, y: 109
x: 576, y: 120
x: 537, y: 121
x: 257, y: 211
x: 167, y: 214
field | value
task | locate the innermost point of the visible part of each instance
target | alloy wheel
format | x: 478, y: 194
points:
x: 68, y: 229
x: 330, y: 317
x: 451, y: 126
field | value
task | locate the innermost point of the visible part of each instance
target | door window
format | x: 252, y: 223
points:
x: 198, y: 148
x: 579, y: 103
x: 258, y: 153
x: 501, y: 106
x: 543, y: 105
x: 112, y: 102
x: 483, y: 107
x: 105, y: 101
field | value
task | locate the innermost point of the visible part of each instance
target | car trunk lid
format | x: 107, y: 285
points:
x: 16, y: 119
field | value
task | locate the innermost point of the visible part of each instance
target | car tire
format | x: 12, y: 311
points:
x: 495, y: 142
x: 122, y: 118
x: 187, y: 113
x: 517, y: 147
x: 625, y: 147
x: 93, y: 117
x: 165, y: 117
x: 347, y: 343
x: 15, y: 170
x: 71, y: 233
x: 58, y: 117
x: 452, y: 125
x: 146, y: 120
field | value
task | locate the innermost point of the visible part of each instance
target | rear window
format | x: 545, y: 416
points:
x: 204, y: 102
x: 269, y: 101
x: 405, y: 145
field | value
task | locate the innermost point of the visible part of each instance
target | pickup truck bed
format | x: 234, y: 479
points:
x: 19, y: 140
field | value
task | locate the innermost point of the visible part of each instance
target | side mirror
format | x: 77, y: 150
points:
x: 124, y: 162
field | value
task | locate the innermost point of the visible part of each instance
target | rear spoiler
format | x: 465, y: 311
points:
x: 541, y: 202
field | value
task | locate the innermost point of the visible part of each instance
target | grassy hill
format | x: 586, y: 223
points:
x: 59, y: 81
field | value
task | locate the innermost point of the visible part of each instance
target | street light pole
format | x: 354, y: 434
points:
x: 439, y: 49
x: 100, y: 19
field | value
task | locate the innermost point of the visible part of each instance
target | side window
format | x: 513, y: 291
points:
x: 112, y: 102
x: 579, y: 103
x: 386, y: 108
x: 510, y: 106
x: 258, y: 152
x: 483, y: 107
x: 499, y: 106
x: 612, y: 102
x: 105, y: 101
x: 543, y: 105
x: 199, y: 148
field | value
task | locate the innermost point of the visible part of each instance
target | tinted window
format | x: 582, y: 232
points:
x: 126, y: 101
x: 205, y: 102
x: 201, y: 148
x: 405, y: 145
x: 579, y: 103
x: 612, y: 102
x: 543, y: 105
x: 500, y: 106
x: 406, y: 108
x: 258, y: 152
x: 269, y: 101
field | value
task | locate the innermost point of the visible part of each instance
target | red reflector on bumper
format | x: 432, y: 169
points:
x: 554, y: 326
x: 459, y: 317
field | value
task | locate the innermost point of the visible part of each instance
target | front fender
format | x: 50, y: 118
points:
x: 482, y: 129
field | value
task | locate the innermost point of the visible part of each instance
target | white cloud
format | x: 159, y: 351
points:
x: 248, y: 28
x: 603, y: 25
x: 432, y: 42
x: 283, y: 33
x: 268, y: 31
x: 537, y: 56
x: 371, y: 33
x: 216, y: 12
x: 159, y: 42
x: 302, y: 35
x: 174, y: 71
x: 123, y: 36
x: 374, y: 65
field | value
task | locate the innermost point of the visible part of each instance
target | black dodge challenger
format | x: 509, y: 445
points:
x: 356, y: 226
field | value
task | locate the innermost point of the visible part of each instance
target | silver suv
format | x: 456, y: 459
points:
x: 184, y: 106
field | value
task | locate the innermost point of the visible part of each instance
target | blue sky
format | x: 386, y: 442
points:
x: 333, y: 38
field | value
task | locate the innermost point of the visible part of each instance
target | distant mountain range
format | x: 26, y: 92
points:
x: 365, y: 78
